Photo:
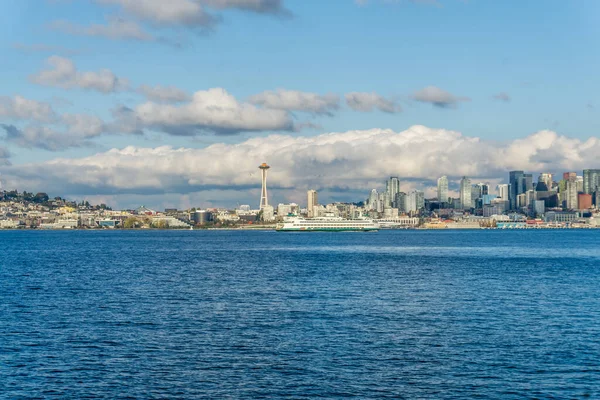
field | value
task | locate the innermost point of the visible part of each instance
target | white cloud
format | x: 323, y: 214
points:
x: 366, y: 102
x: 20, y: 108
x: 115, y: 28
x: 346, y: 164
x: 173, y: 12
x: 293, y: 100
x: 83, y: 125
x: 61, y: 72
x: 438, y: 97
x: 166, y: 94
x: 213, y: 111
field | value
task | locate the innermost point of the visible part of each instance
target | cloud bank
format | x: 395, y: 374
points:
x: 348, y: 163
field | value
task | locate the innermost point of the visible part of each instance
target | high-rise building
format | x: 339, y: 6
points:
x: 546, y: 178
x: 442, y: 189
x: 579, y: 181
x: 264, y: 201
x: 465, y: 193
x: 515, y: 180
x: 392, y: 187
x: 503, y: 191
x: 570, y: 195
x: 372, y: 200
x: 400, y: 201
x: 591, y: 180
x: 312, y: 202
x: 415, y: 200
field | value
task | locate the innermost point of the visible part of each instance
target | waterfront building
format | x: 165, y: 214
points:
x: 284, y: 210
x: 561, y: 216
x: 268, y: 213
x: 465, y: 193
x: 312, y: 203
x: 442, y: 189
x: 201, y: 217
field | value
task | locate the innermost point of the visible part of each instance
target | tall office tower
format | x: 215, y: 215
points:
x: 312, y: 203
x: 475, y: 194
x: 515, y: 180
x: 415, y: 200
x: 570, y: 198
x: 442, y: 189
x: 527, y: 182
x: 546, y: 178
x: 400, y: 201
x: 591, y: 180
x: 465, y: 193
x: 392, y: 187
x: 503, y: 191
x: 381, y: 202
x: 372, y: 201
x: 264, y: 201
x: 579, y: 180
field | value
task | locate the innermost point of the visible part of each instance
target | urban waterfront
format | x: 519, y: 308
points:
x: 249, y: 314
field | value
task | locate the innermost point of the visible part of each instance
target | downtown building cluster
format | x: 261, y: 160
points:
x: 569, y: 198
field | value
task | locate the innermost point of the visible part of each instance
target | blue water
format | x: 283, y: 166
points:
x: 222, y: 314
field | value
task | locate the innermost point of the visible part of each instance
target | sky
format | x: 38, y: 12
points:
x: 132, y: 102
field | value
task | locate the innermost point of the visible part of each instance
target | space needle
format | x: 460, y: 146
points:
x: 264, y: 201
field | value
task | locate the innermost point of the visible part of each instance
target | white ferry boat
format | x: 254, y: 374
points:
x: 330, y: 224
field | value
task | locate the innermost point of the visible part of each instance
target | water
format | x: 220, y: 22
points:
x: 222, y: 314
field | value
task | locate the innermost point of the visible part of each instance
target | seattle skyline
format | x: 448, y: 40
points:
x: 91, y: 109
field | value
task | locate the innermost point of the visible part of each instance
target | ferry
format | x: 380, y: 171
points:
x: 328, y: 224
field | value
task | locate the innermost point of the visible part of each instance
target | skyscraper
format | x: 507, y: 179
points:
x: 415, y: 200
x: 517, y: 186
x: 546, y: 178
x: 312, y: 202
x: 465, y: 193
x: 591, y: 180
x: 442, y: 189
x: 264, y: 201
x: 570, y: 195
x: 372, y: 200
x: 392, y: 187
x: 503, y: 191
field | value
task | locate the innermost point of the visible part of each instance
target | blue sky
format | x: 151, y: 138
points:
x: 540, y: 55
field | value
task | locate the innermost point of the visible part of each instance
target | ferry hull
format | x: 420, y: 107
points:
x: 326, y: 229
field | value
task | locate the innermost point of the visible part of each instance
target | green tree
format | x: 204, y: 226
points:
x: 131, y: 223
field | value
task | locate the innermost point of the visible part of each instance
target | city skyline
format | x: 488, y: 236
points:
x: 119, y: 102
